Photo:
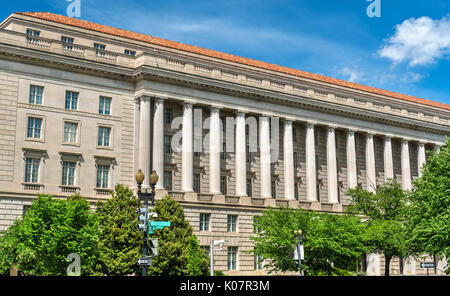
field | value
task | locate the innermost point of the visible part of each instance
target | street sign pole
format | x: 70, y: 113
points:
x: 211, y: 255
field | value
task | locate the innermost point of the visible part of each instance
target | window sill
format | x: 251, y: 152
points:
x: 105, y: 148
x: 103, y: 191
x: 69, y: 189
x: 32, y: 186
x: 71, y: 144
x: 39, y: 140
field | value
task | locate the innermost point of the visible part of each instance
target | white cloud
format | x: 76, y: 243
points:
x: 419, y: 41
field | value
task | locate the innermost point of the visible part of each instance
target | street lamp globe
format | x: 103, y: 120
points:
x: 153, y: 178
x: 298, y: 232
x: 140, y: 177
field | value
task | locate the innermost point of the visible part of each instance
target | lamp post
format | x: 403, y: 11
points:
x: 298, y: 236
x: 211, y: 253
x: 145, y: 196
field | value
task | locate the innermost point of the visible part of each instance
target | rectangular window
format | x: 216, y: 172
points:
x: 31, y: 32
x: 100, y: 48
x: 231, y: 223
x: 295, y: 160
x: 247, y: 154
x: 204, y: 221
x: 70, y: 132
x: 197, y: 183
x: 104, y: 106
x: 249, y: 187
x: 32, y: 170
x: 167, y: 141
x: 36, y: 94
x: 130, y: 53
x: 67, y: 42
x: 224, y: 149
x: 71, y: 100
x: 223, y: 185
x: 68, y: 173
x: 102, y: 176
x: 274, y: 189
x: 197, y: 147
x: 104, y: 134
x: 167, y: 115
x: 34, y: 127
x: 167, y: 180
x: 296, y: 190
x: 232, y: 258
x: 294, y: 134
x: 258, y: 262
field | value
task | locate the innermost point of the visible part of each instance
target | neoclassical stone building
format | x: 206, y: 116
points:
x: 84, y: 106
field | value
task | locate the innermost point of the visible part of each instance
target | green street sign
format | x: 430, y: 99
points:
x: 153, y: 225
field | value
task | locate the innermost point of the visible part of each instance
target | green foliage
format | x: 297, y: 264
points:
x: 173, y: 257
x: 389, y: 202
x: 334, y: 244
x: 331, y: 242
x: 388, y: 237
x: 51, y: 230
x: 198, y: 262
x: 386, y: 214
x: 120, y: 241
x: 429, y: 215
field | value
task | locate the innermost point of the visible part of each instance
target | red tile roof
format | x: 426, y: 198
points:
x: 224, y: 56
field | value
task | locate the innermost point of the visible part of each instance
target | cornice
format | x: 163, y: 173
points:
x: 307, y: 100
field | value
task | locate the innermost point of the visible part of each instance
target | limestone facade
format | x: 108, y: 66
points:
x: 296, y: 141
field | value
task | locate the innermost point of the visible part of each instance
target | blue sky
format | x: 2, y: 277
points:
x: 406, y: 50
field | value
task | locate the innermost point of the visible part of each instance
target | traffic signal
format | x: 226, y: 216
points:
x: 143, y: 219
x: 153, y: 242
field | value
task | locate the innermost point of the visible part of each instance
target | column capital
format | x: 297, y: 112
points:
x: 215, y: 107
x: 145, y: 98
x: 289, y: 118
x: 266, y: 114
x: 189, y: 102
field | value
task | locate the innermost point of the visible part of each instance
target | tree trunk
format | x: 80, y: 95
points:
x: 386, y: 265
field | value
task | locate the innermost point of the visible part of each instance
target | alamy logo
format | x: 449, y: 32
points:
x: 74, y: 8
x: 74, y: 268
x: 374, y: 8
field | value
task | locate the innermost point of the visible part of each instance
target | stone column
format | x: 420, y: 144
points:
x: 421, y: 159
x: 370, y: 164
x: 332, y: 167
x: 264, y: 148
x: 288, y: 148
x: 406, y: 170
x: 311, y: 178
x: 241, y: 169
x: 145, y: 138
x: 352, y: 175
x: 187, y: 169
x: 388, y: 161
x: 214, y: 151
x: 158, y: 142
x: 137, y: 118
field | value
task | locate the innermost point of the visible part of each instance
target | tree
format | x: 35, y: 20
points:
x: 173, y: 241
x: 332, y: 243
x: 120, y: 241
x: 51, y: 229
x: 388, y: 237
x: 198, y: 262
x: 429, y: 216
x: 385, y: 212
